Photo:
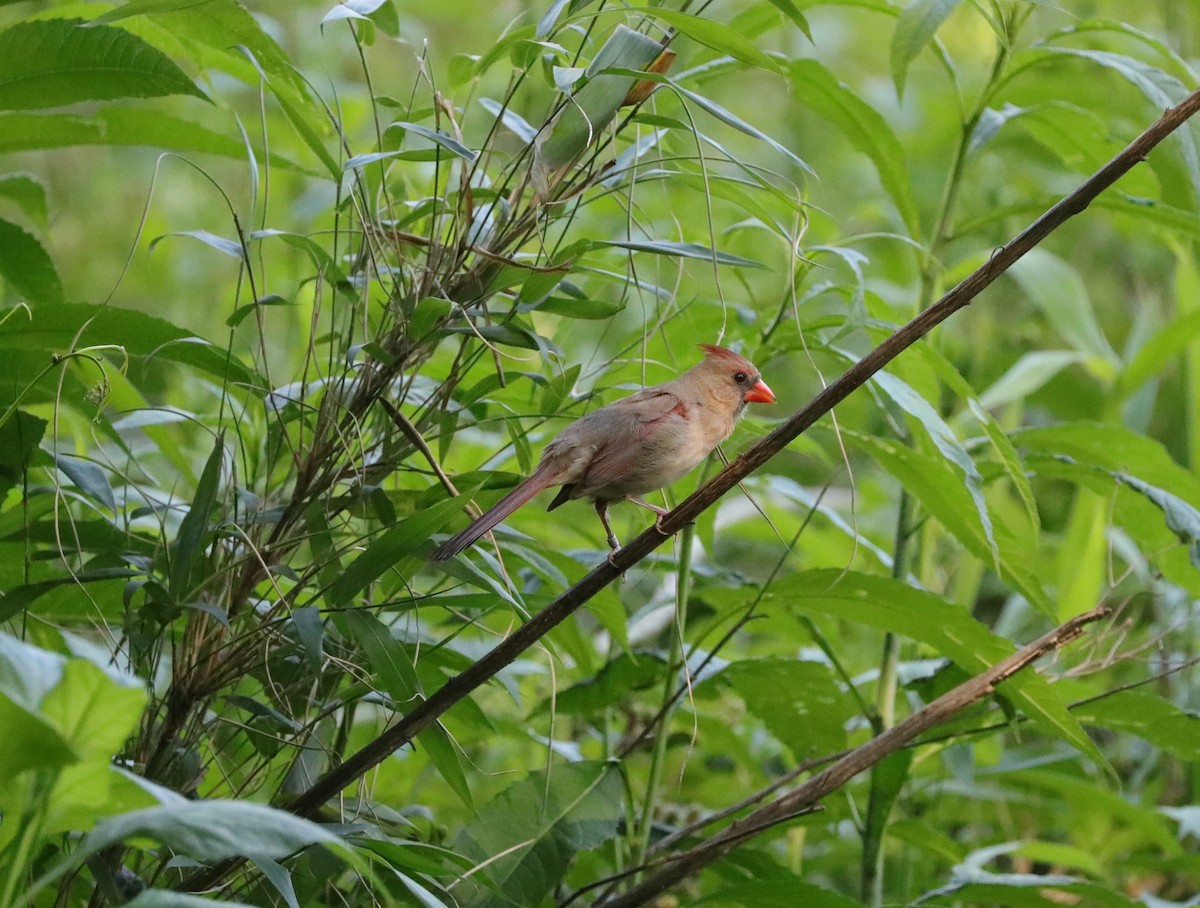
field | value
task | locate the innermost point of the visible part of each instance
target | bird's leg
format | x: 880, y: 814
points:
x: 602, y: 510
x: 661, y: 512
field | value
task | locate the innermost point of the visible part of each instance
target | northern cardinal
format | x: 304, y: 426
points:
x: 635, y: 445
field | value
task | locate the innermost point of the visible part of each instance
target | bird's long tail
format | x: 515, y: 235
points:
x: 485, y: 522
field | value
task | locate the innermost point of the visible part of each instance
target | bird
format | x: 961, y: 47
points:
x: 634, y: 445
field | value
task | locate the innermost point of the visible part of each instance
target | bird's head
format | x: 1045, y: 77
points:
x: 733, y: 377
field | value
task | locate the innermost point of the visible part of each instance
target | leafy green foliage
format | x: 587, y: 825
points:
x: 258, y: 355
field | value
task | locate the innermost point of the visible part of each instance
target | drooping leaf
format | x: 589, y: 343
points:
x: 918, y: 22
x: 865, y: 129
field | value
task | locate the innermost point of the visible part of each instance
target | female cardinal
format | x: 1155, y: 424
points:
x: 636, y: 445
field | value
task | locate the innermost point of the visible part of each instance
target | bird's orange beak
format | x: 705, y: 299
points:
x: 759, y: 393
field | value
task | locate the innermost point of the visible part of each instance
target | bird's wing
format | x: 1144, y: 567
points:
x: 625, y: 428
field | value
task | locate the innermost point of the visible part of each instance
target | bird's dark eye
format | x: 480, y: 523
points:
x: 739, y: 377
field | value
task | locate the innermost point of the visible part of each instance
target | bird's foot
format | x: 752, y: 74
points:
x: 658, y: 525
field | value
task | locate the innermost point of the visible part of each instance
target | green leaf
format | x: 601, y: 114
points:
x: 915, y: 28
x: 194, y: 529
x: 20, y: 436
x: 211, y: 831
x: 391, y: 666
x: 774, y: 893
x: 865, y: 129
x: 530, y: 833
x: 1116, y: 449
x: 56, y: 329
x: 1150, y: 718
x: 680, y: 250
x: 949, y: 629
x: 947, y: 444
x: 1171, y: 340
x: 1161, y: 89
x: 614, y: 684
x: 449, y: 143
x: 390, y: 550
x: 166, y: 898
x: 1057, y: 289
x: 445, y: 758
x: 91, y: 480
x: 1182, y: 519
x: 939, y: 489
x: 799, y: 702
x: 120, y: 126
x: 720, y: 37
x: 55, y: 62
x: 1030, y: 373
x: 27, y: 267
x: 27, y: 191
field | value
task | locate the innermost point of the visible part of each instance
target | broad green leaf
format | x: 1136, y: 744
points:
x: 19, y: 439
x: 948, y: 629
x: 799, y: 702
x: 915, y: 28
x: 1182, y: 519
x: 1154, y: 356
x: 59, y: 328
x: 944, y: 440
x: 720, y: 37
x: 212, y: 831
x: 1116, y: 449
x: 1031, y: 372
x: 616, y: 683
x: 1083, y: 556
x: 1056, y: 288
x: 27, y: 191
x: 26, y: 266
x: 939, y: 489
x: 445, y: 758
x: 1149, y: 717
x: 55, y: 62
x: 530, y: 833
x: 120, y: 126
x: 29, y: 742
x: 865, y: 129
x: 90, y: 478
x: 1161, y: 89
x: 194, y: 528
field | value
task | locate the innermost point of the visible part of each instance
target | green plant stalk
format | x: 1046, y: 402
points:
x: 18, y: 866
x: 885, y: 718
x: 931, y: 269
x: 674, y: 665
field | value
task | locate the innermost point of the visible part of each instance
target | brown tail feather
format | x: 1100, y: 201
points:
x: 485, y: 522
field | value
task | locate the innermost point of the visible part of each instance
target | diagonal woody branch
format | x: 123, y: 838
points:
x: 423, y: 715
x: 805, y: 797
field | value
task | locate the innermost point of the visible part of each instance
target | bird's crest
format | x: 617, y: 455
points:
x: 712, y: 351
